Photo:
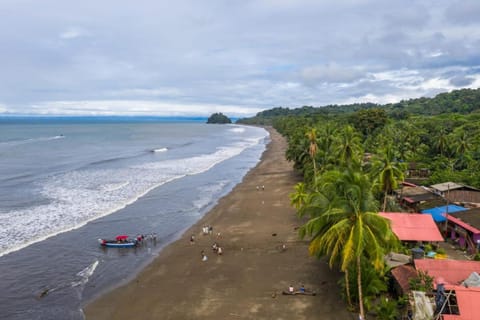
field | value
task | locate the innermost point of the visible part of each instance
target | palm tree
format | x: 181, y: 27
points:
x: 349, y: 149
x: 441, y: 142
x: 386, y: 172
x: 462, y: 150
x: 312, y: 150
x: 349, y: 228
x: 326, y: 144
x: 299, y: 197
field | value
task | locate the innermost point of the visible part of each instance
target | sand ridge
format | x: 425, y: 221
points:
x: 247, y: 280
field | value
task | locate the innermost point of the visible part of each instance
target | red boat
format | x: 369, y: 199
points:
x: 121, y: 241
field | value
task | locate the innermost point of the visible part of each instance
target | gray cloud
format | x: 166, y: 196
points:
x: 251, y: 55
x: 463, y: 12
x: 461, y: 81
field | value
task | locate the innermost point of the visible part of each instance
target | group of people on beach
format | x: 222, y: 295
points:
x: 216, y: 248
x: 141, y: 238
x: 207, y: 230
x: 261, y: 187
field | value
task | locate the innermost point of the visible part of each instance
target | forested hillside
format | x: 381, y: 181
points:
x: 353, y: 157
x: 440, y: 134
x: 463, y: 101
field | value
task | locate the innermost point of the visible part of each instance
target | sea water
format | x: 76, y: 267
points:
x: 66, y: 182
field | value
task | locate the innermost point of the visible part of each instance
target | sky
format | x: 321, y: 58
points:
x: 238, y: 57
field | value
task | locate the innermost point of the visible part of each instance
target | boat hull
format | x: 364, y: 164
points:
x: 118, y: 244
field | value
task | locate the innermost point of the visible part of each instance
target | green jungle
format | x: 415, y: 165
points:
x: 352, y: 158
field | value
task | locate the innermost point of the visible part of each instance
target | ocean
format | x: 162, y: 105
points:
x: 66, y: 182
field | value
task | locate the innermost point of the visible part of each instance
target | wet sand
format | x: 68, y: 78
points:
x: 246, y: 282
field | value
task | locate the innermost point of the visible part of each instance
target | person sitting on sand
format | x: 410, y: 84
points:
x: 192, y: 239
x: 215, y: 247
x: 219, y: 251
x: 302, y: 289
x: 291, y: 289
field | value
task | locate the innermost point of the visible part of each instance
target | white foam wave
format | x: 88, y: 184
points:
x: 160, y: 150
x: 205, y: 195
x: 76, y: 197
x: 85, y: 274
x: 113, y: 186
x: 237, y: 130
x: 13, y: 143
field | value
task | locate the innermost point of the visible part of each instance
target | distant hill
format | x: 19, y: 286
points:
x: 462, y: 101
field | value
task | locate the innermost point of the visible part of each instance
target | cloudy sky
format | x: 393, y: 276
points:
x: 191, y: 57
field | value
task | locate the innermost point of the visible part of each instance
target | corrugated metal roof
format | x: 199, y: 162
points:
x: 471, y: 216
x: 402, y: 275
x: 411, y: 191
x: 413, y: 226
x: 463, y: 224
x: 445, y: 186
x: 438, y: 213
x: 453, y: 272
x: 468, y: 304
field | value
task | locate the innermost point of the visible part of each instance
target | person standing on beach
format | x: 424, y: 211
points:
x: 204, y: 256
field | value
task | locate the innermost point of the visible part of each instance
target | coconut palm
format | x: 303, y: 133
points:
x: 349, y: 228
x: 348, y: 150
x: 299, y: 197
x: 386, y: 172
x: 312, y: 150
x: 326, y: 143
x: 441, y: 142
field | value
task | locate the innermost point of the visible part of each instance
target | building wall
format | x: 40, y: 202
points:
x: 463, y: 196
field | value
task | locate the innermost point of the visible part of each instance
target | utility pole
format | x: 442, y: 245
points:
x: 446, y: 211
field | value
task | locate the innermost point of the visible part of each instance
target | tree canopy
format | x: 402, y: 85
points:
x: 219, y: 118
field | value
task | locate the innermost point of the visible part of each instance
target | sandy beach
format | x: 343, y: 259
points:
x: 246, y: 282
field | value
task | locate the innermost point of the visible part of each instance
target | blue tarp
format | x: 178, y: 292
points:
x: 438, y: 213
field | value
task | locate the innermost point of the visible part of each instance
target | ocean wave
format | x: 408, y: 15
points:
x: 159, y: 150
x: 80, y: 196
x: 109, y: 187
x: 13, y: 143
x: 237, y: 130
x: 207, y: 194
x: 85, y: 274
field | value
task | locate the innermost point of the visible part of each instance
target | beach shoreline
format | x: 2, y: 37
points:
x: 262, y: 256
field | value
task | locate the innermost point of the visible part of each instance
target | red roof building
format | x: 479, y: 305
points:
x: 413, y: 226
x: 468, y: 304
x: 452, y: 273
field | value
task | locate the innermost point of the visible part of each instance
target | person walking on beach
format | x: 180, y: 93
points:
x: 204, y: 256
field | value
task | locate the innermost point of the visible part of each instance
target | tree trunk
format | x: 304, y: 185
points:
x: 314, y: 174
x: 347, y: 289
x: 359, y: 284
x: 385, y: 202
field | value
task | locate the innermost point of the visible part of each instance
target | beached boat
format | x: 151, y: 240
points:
x: 121, y: 241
